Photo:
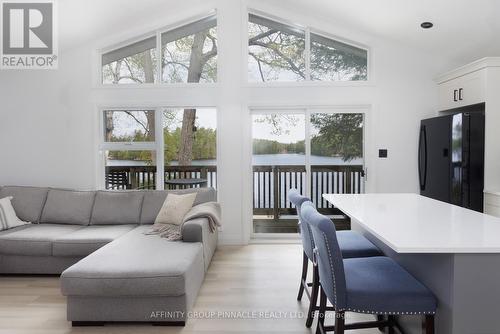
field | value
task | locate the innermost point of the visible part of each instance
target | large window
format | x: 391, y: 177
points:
x: 314, y: 151
x: 281, y: 52
x: 138, y: 155
x: 276, y: 52
x: 188, y: 54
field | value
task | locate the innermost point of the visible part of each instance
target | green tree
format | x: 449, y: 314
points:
x: 338, y: 135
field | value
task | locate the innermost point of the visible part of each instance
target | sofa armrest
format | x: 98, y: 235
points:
x: 198, y: 230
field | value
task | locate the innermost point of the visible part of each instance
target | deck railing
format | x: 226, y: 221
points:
x: 270, y: 183
x: 144, y: 177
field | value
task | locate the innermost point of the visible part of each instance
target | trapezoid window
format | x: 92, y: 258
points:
x: 281, y: 52
x: 188, y: 53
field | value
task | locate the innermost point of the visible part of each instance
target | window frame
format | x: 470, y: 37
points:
x: 157, y: 146
x: 307, y: 54
x: 157, y: 34
x: 307, y: 110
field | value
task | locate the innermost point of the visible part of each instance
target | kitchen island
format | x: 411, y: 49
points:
x: 454, y: 251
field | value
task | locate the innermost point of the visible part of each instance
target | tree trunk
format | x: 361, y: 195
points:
x: 187, y: 137
x: 109, y: 126
x: 196, y: 63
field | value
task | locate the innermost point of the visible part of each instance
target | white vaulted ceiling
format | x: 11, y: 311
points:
x: 464, y: 30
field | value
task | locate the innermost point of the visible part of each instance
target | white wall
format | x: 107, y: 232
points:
x: 48, y: 121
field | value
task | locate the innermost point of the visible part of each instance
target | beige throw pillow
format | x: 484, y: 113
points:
x: 175, y: 208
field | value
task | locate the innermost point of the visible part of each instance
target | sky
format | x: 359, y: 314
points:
x: 126, y: 125
x: 291, y: 133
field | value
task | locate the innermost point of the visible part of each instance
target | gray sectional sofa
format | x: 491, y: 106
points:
x: 110, y: 270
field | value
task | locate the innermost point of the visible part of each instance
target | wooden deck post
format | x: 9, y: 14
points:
x: 276, y: 192
x: 348, y: 180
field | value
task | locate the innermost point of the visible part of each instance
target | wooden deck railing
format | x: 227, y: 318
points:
x: 270, y: 183
x: 144, y: 177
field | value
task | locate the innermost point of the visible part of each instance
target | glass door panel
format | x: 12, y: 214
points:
x: 336, y: 159
x: 279, y: 163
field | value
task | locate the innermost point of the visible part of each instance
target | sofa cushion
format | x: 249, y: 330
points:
x: 34, y: 239
x: 154, y: 199
x: 27, y: 201
x: 88, y: 239
x: 117, y: 207
x: 8, y: 217
x: 68, y: 207
x: 136, y: 265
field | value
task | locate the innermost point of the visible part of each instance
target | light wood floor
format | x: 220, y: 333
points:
x: 254, y: 278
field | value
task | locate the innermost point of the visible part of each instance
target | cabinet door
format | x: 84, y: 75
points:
x: 448, y: 93
x: 462, y: 91
x: 471, y: 90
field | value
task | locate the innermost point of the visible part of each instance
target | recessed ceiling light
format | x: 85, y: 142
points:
x: 426, y: 25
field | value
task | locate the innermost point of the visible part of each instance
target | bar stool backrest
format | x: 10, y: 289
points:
x: 327, y: 255
x: 305, y: 231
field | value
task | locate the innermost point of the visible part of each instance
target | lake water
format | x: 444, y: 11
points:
x: 259, y: 160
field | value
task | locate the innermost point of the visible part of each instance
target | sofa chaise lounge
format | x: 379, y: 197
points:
x: 110, y: 270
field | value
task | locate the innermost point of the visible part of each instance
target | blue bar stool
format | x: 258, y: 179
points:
x: 374, y: 285
x: 352, y: 244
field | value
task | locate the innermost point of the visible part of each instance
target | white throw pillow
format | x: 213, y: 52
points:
x: 175, y: 208
x: 8, y: 217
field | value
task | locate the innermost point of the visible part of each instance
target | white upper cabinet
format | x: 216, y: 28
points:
x: 462, y: 91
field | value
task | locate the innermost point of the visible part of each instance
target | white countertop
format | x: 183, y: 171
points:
x: 411, y: 223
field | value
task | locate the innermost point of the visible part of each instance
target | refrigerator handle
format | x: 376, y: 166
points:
x: 422, y: 144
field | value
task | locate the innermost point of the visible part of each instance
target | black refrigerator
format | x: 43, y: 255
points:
x: 451, y: 157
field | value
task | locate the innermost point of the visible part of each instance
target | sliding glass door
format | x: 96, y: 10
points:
x: 314, y: 151
x: 336, y: 160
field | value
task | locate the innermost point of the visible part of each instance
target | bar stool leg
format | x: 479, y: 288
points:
x: 314, y: 297
x: 381, y: 317
x: 392, y: 320
x: 305, y: 262
x: 321, y: 312
x: 339, y: 322
x: 428, y: 324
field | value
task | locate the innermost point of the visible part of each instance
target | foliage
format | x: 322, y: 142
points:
x: 138, y: 68
x: 143, y: 156
x: 338, y: 135
x: 204, y: 144
x: 176, y: 58
x: 334, y: 64
x: 265, y: 146
x: 277, y: 54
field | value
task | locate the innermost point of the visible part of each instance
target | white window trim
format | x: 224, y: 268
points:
x: 157, y: 33
x: 307, y: 82
x: 157, y: 146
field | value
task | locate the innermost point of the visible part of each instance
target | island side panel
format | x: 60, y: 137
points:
x: 435, y: 271
x: 477, y: 293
